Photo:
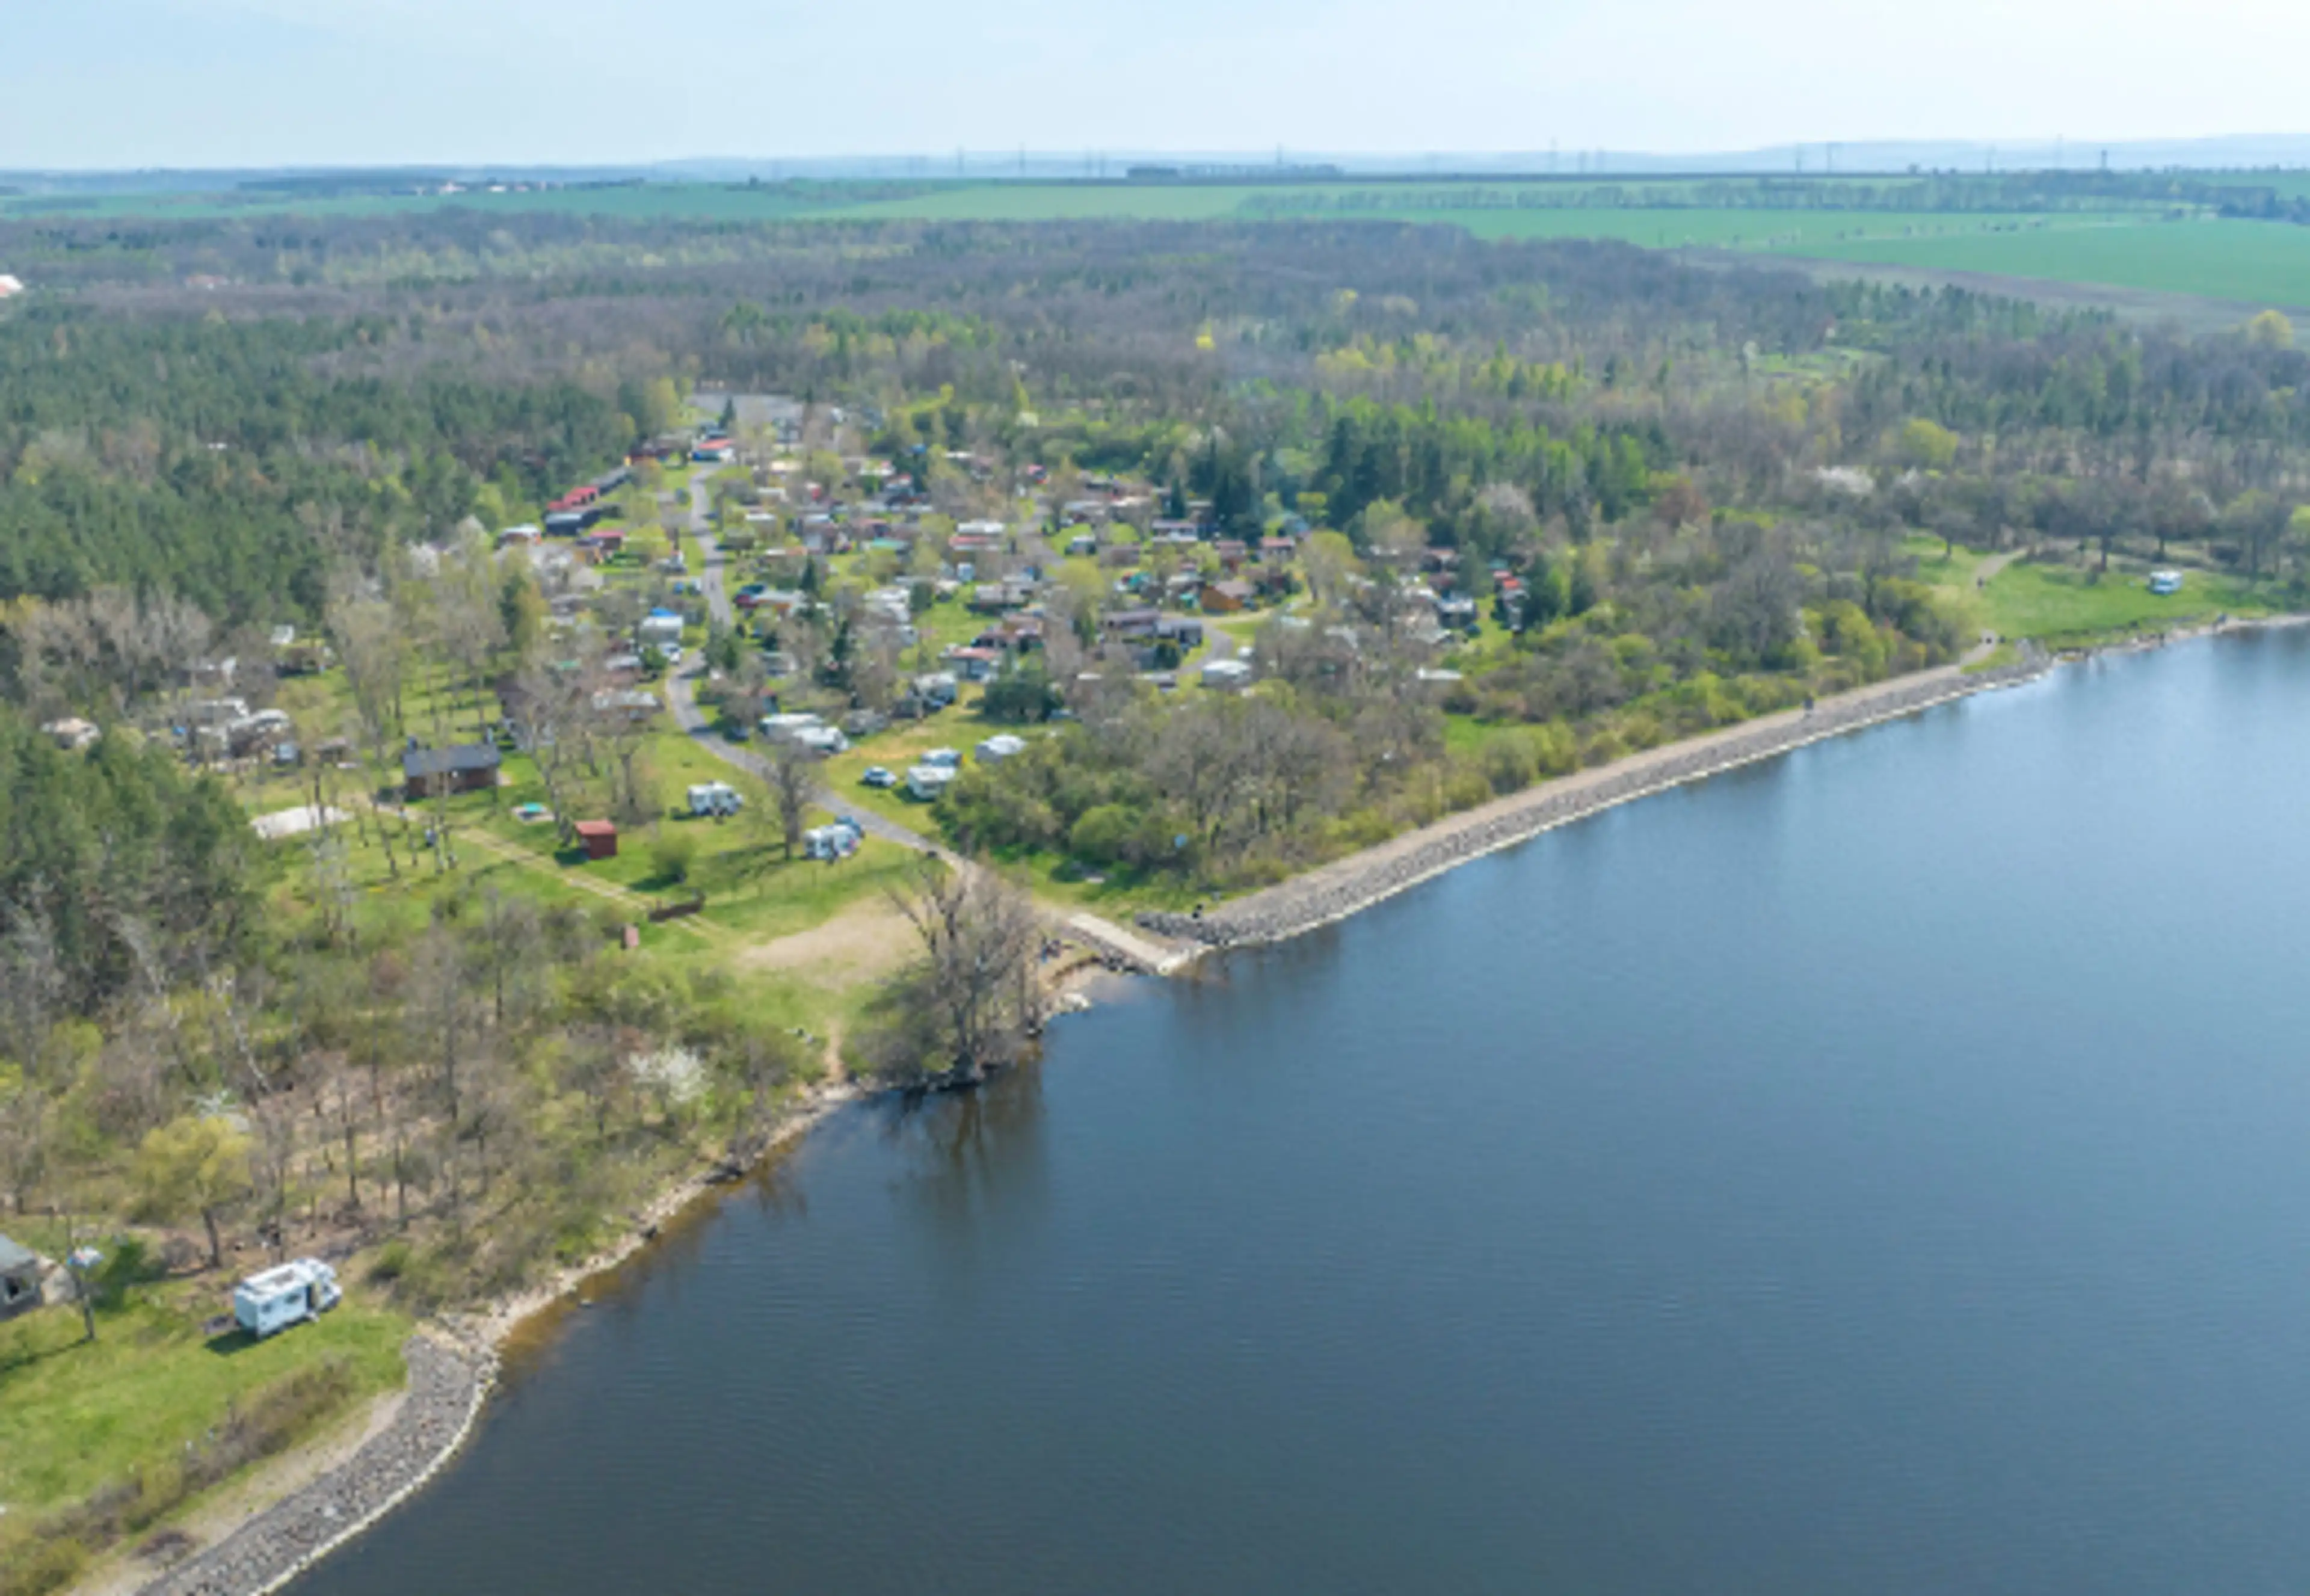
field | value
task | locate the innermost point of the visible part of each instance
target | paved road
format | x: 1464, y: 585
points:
x: 682, y: 689
x: 710, y: 561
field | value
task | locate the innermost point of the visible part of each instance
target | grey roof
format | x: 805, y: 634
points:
x: 16, y: 1256
x: 443, y: 761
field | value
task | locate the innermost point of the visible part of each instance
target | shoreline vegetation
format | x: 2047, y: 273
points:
x: 1349, y: 886
x: 455, y: 1368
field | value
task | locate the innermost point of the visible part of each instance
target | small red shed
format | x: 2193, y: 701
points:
x: 600, y: 837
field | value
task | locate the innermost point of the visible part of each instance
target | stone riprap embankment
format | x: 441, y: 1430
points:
x: 1340, y: 889
x: 447, y: 1387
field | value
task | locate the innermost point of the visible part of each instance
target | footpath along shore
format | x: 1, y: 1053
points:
x: 1342, y: 887
x: 447, y: 1385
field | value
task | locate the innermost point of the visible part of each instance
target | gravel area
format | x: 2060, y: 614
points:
x: 1340, y: 889
x: 447, y: 1387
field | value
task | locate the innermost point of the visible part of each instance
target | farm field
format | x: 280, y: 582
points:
x: 2257, y: 261
x: 1655, y: 226
x: 1664, y: 215
x: 2130, y: 247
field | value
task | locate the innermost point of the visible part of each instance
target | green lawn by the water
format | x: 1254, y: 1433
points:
x: 2059, y: 603
x: 76, y: 1415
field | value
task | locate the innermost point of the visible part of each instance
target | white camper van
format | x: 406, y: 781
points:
x: 290, y: 1294
x: 714, y: 798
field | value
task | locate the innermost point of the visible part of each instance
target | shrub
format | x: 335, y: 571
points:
x: 392, y: 1261
x: 39, y: 1565
x: 1102, y: 833
x: 671, y: 854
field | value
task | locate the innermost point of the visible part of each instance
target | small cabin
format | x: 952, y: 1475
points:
x: 265, y: 1304
x: 20, y: 1279
x: 599, y: 838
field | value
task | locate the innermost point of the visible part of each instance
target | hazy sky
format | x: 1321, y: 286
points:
x: 226, y: 82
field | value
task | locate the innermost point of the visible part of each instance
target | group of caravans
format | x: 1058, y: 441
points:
x: 932, y: 774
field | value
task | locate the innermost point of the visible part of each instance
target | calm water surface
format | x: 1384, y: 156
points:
x: 1885, y: 1170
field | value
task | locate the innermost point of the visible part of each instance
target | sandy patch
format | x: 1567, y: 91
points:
x: 866, y: 942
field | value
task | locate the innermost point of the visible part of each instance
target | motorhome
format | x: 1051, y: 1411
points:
x: 925, y: 782
x: 714, y: 798
x: 266, y: 1304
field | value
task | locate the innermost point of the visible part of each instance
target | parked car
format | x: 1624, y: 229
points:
x: 876, y: 776
x: 671, y: 654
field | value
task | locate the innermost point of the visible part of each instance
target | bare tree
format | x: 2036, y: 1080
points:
x: 974, y: 1002
x: 468, y: 620
x: 791, y: 785
x: 375, y: 652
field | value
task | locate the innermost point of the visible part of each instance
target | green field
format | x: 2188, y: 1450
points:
x: 2069, y: 605
x: 2132, y: 247
x: 2061, y: 605
x: 2261, y: 263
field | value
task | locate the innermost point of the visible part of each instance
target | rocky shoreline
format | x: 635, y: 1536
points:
x: 452, y: 1369
x: 448, y: 1385
x: 1306, y: 902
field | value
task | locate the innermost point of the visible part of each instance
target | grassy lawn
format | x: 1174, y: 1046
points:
x: 2061, y: 605
x: 150, y: 1383
x: 2069, y: 605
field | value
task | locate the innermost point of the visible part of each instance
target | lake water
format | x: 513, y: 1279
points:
x: 1886, y: 1170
